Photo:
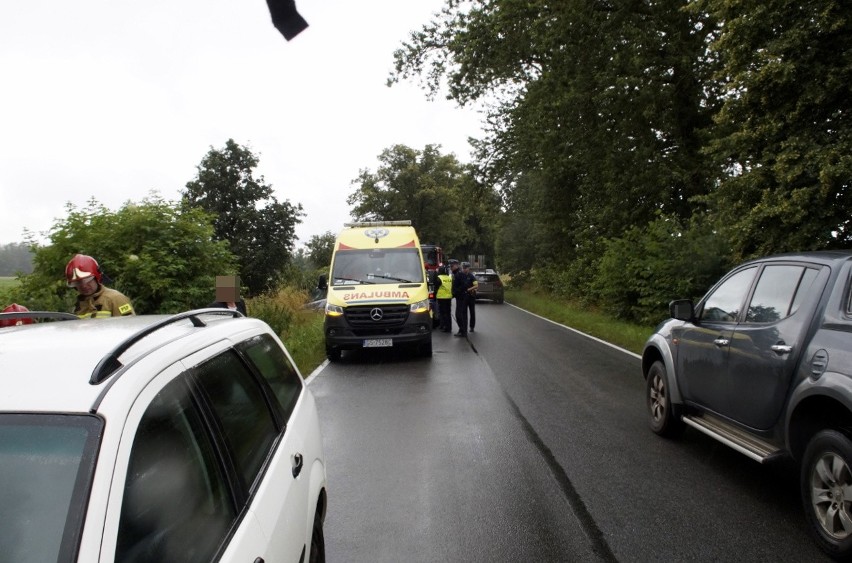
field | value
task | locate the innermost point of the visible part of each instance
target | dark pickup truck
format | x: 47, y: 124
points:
x: 763, y: 363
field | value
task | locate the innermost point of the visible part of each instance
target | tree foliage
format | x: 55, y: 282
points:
x: 441, y: 197
x: 160, y: 255
x: 783, y: 142
x: 600, y: 100
x: 728, y: 118
x: 643, y: 270
x: 259, y: 228
x: 320, y: 248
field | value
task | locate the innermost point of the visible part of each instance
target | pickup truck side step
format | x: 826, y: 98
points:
x: 755, y: 448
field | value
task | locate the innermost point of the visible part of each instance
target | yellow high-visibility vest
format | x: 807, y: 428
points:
x: 446, y: 289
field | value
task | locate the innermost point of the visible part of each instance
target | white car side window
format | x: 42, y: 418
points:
x: 176, y: 505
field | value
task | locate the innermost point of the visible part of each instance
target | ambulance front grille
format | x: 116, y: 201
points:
x: 365, y: 316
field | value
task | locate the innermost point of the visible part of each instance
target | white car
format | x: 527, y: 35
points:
x: 154, y: 438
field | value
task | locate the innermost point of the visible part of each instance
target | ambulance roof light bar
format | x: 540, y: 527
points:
x: 405, y: 223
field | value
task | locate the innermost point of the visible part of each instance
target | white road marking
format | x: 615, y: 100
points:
x: 619, y: 348
x: 314, y: 374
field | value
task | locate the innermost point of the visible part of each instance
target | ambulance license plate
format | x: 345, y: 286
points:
x: 378, y: 343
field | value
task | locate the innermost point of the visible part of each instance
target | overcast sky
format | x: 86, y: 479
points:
x: 111, y: 100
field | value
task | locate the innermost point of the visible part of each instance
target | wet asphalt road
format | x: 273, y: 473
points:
x: 528, y: 442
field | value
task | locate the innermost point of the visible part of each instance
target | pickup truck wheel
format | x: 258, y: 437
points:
x: 661, y: 413
x: 826, y: 480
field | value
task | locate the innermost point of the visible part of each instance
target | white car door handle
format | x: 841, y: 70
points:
x: 781, y: 348
x: 721, y: 342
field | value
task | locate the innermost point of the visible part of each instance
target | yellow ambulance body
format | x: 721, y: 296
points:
x: 377, y: 292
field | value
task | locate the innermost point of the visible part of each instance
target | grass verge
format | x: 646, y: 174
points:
x: 300, y: 329
x: 8, y: 282
x: 305, y: 341
x: 626, y: 335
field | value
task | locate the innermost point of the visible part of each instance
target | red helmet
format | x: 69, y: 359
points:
x: 15, y: 308
x: 80, y: 268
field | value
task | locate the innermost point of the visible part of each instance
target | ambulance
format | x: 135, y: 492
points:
x: 377, y: 291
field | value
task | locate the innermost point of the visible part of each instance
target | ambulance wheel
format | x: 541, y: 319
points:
x: 333, y: 354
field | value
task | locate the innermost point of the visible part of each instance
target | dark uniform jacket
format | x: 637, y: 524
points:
x: 461, y: 283
x: 240, y: 306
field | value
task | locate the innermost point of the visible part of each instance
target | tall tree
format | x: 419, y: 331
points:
x: 259, y: 228
x: 161, y: 256
x: 320, y: 249
x: 783, y: 142
x: 436, y: 192
x: 602, y: 102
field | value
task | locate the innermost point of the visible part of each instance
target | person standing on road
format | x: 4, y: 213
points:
x: 471, y: 284
x: 460, y: 295
x: 444, y: 296
x: 94, y: 300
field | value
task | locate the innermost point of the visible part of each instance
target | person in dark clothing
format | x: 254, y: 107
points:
x: 228, y: 294
x: 470, y: 299
x: 460, y: 295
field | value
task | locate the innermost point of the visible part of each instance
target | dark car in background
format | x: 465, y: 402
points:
x: 489, y: 285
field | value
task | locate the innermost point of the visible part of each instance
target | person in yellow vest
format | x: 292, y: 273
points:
x: 444, y: 296
x: 94, y: 300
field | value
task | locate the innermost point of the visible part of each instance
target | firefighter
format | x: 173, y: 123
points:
x: 444, y: 296
x: 15, y: 308
x: 94, y: 300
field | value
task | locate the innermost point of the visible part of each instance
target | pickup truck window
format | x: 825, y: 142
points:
x: 726, y: 300
x: 779, y: 292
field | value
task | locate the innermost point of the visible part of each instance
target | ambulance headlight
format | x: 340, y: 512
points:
x: 333, y: 310
x: 420, y: 306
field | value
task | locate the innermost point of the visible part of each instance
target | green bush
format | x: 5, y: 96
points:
x: 162, y: 257
x: 642, y: 271
x: 300, y: 329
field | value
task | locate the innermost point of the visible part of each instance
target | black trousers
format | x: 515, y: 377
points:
x: 444, y: 313
x: 461, y: 313
x: 470, y: 301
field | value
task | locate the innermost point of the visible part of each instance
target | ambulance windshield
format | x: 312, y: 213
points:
x: 395, y: 265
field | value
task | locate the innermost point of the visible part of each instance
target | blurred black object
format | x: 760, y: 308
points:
x: 285, y: 18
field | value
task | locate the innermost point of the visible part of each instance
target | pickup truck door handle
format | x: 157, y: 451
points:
x: 298, y: 461
x: 781, y: 349
x: 721, y: 342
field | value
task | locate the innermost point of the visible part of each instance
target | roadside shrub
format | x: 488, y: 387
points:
x: 305, y: 340
x: 279, y: 308
x: 162, y: 257
x: 300, y: 329
x: 642, y: 271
